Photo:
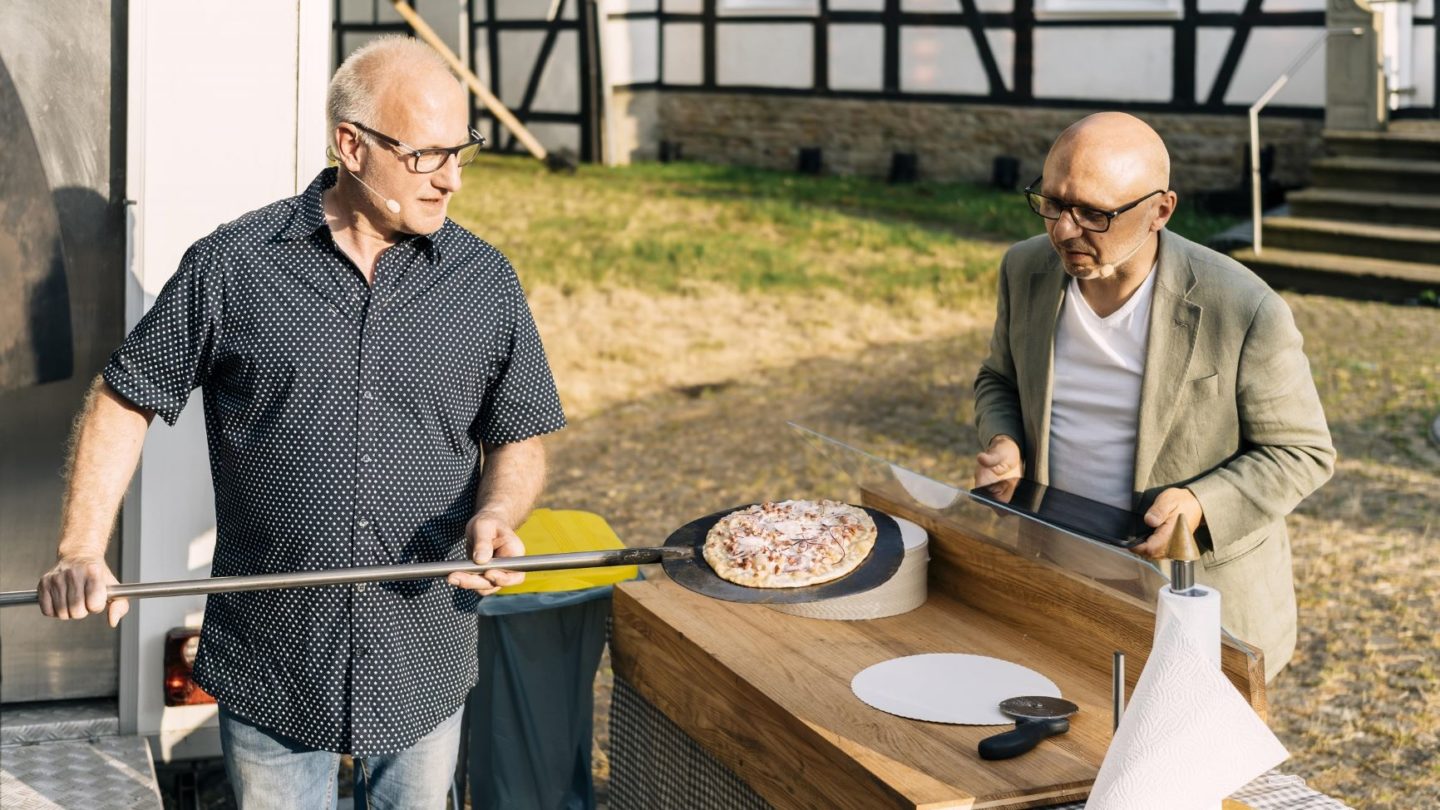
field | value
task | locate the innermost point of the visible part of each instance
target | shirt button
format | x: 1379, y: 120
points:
x: 369, y: 394
x: 360, y: 587
x: 365, y: 459
x: 362, y: 523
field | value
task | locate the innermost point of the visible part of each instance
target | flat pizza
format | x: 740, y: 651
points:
x: 789, y: 544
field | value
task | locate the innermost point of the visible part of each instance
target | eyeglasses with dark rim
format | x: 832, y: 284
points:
x: 426, y: 161
x: 1095, y: 220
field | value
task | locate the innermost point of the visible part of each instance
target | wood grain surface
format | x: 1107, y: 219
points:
x: 768, y: 694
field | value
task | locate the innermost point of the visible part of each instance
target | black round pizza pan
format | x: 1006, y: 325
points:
x: 694, y: 573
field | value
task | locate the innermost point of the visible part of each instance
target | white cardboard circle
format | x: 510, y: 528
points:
x: 948, y: 687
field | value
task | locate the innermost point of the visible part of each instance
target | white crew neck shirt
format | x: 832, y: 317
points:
x: 1095, y: 401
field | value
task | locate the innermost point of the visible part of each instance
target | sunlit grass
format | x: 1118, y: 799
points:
x: 660, y: 226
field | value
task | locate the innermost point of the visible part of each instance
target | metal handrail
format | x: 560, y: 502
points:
x: 1259, y: 105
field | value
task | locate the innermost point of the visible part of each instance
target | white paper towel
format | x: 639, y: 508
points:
x: 1188, y: 739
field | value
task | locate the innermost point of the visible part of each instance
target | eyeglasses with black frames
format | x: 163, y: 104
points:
x: 1096, y: 220
x: 426, y: 161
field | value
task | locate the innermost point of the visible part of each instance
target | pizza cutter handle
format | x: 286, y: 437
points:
x: 1026, y: 735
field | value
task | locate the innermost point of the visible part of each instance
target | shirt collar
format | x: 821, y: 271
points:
x: 309, y: 216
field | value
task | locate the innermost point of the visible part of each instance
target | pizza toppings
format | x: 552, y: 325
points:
x: 790, y: 543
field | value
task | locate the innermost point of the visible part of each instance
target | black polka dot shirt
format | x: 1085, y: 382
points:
x: 345, y: 425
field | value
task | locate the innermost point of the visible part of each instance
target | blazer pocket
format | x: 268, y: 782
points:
x: 1205, y: 387
x: 1243, y: 547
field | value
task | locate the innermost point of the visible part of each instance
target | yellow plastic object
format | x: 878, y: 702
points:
x: 556, y: 531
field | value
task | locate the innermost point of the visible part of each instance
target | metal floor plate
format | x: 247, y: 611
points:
x: 111, y: 772
x: 23, y: 723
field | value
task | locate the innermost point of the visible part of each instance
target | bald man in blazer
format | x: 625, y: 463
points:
x: 1135, y: 367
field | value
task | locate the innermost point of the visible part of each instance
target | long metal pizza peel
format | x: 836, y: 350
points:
x: 680, y: 557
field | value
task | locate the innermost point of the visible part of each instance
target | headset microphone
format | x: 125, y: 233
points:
x: 392, y: 205
x: 1108, y: 268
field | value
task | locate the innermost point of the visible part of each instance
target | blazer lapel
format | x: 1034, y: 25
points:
x: 1044, y: 297
x: 1174, y: 327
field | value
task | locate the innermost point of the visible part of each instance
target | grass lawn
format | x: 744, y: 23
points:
x: 662, y: 227
x: 689, y: 310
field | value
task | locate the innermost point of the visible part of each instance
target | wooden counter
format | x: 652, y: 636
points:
x: 768, y: 694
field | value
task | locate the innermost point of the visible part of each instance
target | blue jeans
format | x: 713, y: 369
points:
x: 271, y: 772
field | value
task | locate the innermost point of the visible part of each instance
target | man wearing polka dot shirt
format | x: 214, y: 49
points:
x: 374, y: 390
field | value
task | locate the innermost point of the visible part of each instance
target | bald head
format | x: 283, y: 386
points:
x: 1111, y: 157
x: 385, y: 75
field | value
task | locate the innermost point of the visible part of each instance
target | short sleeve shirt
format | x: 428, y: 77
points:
x: 346, y: 425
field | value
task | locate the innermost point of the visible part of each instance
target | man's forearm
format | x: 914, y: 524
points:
x: 513, y: 477
x: 104, y: 450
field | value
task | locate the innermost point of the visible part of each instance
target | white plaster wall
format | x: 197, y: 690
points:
x: 631, y: 50
x: 1210, y: 47
x: 1268, y: 52
x: 940, y: 60
x: 1424, y: 68
x: 559, y: 88
x: 1272, y: 6
x: 1002, y: 46
x: 857, y: 57
x: 1120, y: 63
x: 857, y: 5
x: 684, y: 6
x: 760, y: 55
x: 194, y: 71
x: 684, y: 43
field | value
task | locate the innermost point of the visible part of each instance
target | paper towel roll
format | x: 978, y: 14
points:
x: 1188, y: 739
x: 1198, y: 613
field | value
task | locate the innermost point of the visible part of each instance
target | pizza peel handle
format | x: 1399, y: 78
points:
x: 693, y: 572
x: 378, y: 573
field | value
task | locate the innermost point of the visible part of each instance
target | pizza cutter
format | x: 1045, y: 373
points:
x: 1036, y: 717
x: 681, y: 557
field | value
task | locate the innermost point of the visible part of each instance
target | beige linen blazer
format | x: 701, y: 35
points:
x: 1227, y: 408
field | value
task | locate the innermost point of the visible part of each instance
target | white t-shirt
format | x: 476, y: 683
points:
x: 1095, y: 403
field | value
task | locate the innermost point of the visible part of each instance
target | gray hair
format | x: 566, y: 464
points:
x: 352, y: 93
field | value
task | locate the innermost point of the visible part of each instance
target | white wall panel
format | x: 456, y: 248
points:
x: 194, y: 71
x: 857, y: 57
x: 996, y: 6
x: 1267, y: 53
x: 1272, y: 6
x: 1210, y: 47
x: 857, y: 5
x: 621, y: 6
x: 1424, y: 68
x: 684, y: 6
x: 760, y: 55
x: 559, y: 89
x: 930, y: 6
x: 524, y: 10
x: 684, y: 46
x: 1103, y: 62
x: 631, y: 50
x: 1002, y: 46
x: 1221, y: 6
x: 940, y: 60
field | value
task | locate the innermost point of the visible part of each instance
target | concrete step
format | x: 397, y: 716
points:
x: 1345, y: 276
x: 1394, y: 242
x: 1366, y: 206
x: 1398, y: 143
x: 1377, y: 174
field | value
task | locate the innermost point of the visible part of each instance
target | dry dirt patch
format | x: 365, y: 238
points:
x: 1359, y: 708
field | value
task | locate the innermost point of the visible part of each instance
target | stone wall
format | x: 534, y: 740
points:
x: 952, y: 141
